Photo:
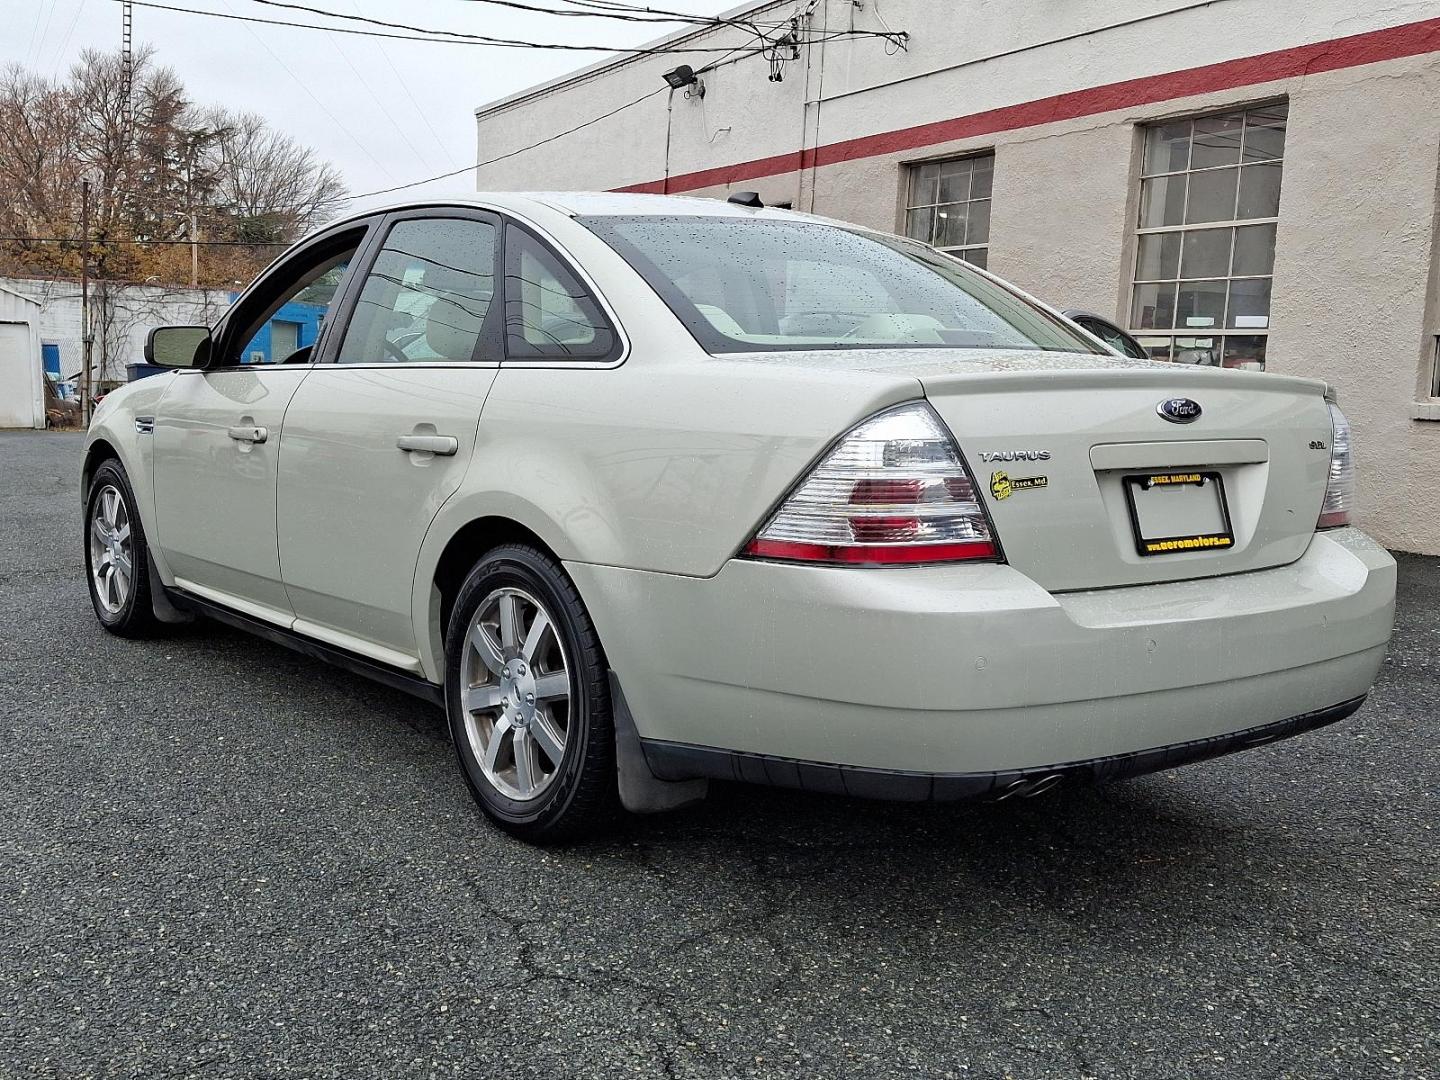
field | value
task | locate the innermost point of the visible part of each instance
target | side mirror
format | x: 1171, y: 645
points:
x: 178, y: 346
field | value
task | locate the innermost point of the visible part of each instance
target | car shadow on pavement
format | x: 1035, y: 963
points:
x: 1126, y: 864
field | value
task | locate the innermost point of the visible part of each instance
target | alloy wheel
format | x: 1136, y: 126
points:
x: 515, y: 687
x: 112, y: 552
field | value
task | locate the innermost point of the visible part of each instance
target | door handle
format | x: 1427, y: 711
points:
x: 440, y: 445
x: 249, y: 434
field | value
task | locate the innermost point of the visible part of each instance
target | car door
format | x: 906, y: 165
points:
x: 218, y: 428
x: 380, y: 436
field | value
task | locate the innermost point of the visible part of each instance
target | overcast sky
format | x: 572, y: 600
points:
x: 385, y: 112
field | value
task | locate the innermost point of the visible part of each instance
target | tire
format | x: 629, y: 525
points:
x: 114, y: 538
x: 508, y: 718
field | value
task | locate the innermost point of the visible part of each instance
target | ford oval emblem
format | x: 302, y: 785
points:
x: 1179, y: 410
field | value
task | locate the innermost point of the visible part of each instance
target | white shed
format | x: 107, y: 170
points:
x: 22, y: 393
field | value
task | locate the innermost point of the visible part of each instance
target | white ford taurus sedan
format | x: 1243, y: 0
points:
x: 648, y: 491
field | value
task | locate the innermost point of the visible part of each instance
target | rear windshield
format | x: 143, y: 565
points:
x: 743, y: 284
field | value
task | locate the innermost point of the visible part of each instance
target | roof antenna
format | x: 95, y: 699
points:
x: 746, y: 198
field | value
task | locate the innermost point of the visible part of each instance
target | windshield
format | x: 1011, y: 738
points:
x: 743, y: 284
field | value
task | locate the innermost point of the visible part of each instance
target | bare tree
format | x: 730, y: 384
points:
x: 272, y: 188
x: 163, y: 170
x: 40, y: 163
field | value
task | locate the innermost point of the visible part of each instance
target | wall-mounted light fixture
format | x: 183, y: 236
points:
x: 684, y: 77
x: 681, y: 77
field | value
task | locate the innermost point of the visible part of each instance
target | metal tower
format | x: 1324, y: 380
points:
x: 127, y: 64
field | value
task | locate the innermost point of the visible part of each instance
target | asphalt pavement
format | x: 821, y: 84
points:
x: 221, y: 859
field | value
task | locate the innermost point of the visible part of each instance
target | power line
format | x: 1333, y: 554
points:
x: 455, y: 37
x: 39, y: 45
x: 604, y: 9
x: 511, y: 153
x: 279, y: 22
x: 729, y: 58
x: 360, y: 77
x: 791, y: 36
x: 111, y: 243
x: 65, y: 44
x: 599, y: 6
x: 424, y: 114
x: 35, y: 29
x: 629, y: 13
x: 305, y: 86
x: 459, y: 35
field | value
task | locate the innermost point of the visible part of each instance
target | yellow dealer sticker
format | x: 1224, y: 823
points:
x: 1003, y: 485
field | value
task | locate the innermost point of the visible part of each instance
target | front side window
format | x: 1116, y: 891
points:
x: 426, y: 297
x: 949, y: 206
x: 290, y: 308
x: 1209, y: 202
x: 743, y: 284
x: 549, y: 315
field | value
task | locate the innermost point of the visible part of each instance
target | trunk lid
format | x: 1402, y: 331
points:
x: 1080, y: 472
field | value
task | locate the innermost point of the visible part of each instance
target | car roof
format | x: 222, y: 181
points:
x: 607, y: 203
x: 591, y: 204
x: 524, y: 204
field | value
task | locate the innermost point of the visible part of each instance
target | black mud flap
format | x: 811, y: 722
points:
x: 641, y: 791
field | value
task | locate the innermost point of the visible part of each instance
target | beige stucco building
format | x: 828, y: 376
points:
x: 1242, y: 182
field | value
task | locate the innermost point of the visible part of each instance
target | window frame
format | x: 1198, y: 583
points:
x: 912, y: 174
x: 380, y: 226
x: 1232, y: 224
x: 490, y: 340
x: 261, y: 293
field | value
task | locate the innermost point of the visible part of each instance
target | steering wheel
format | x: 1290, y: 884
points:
x: 899, y: 332
x: 854, y: 331
x: 397, y: 354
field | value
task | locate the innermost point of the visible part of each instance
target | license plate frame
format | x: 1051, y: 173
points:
x: 1141, y: 484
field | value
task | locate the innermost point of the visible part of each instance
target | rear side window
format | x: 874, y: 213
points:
x: 744, y: 284
x: 549, y: 314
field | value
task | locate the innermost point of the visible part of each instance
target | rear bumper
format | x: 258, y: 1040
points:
x: 674, y: 761
x: 958, y: 671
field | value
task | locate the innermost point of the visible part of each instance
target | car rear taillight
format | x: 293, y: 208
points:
x: 1340, y: 489
x: 894, y: 490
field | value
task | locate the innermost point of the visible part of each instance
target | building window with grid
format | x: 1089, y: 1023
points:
x: 949, y: 206
x: 1209, y: 200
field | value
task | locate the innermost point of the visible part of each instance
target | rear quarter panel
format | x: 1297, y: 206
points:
x: 660, y: 466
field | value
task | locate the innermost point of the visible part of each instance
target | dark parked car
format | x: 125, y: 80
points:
x: 1108, y: 332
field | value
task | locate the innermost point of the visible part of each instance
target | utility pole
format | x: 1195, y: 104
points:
x: 127, y: 63
x: 85, y: 299
x: 192, y: 219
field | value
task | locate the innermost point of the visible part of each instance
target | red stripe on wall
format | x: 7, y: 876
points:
x: 1411, y: 39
